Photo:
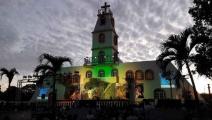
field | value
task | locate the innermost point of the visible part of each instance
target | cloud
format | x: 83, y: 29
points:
x: 29, y: 28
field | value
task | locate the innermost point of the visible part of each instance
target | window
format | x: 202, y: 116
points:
x: 88, y: 74
x: 139, y: 75
x: 101, y: 73
x: 112, y: 22
x: 115, y: 40
x: 76, y: 78
x: 129, y: 74
x: 149, y: 75
x: 159, y: 94
x: 114, y: 73
x: 101, y: 57
x: 115, y: 57
x: 102, y: 20
x: 101, y: 38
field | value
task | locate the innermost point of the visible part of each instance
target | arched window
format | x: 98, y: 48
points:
x: 159, y: 93
x: 101, y: 73
x: 76, y: 78
x: 129, y: 74
x: 101, y: 38
x: 114, y: 72
x: 89, y: 74
x: 102, y: 20
x: 112, y: 22
x: 101, y: 57
x: 139, y: 75
x: 115, y: 57
x: 115, y: 40
x: 149, y: 74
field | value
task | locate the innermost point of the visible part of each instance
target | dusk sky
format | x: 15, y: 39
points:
x: 29, y: 28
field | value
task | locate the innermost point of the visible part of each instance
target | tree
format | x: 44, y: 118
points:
x: 51, y: 64
x: 171, y: 76
x: 178, y: 48
x: 27, y: 92
x: 201, y: 11
x: 9, y: 73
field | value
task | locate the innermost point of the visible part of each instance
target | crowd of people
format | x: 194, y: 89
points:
x: 100, y: 111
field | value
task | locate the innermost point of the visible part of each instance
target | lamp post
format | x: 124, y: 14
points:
x: 209, y: 89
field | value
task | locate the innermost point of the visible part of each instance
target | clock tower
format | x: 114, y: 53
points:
x: 104, y: 38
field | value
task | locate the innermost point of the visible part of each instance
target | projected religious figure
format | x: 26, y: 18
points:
x: 139, y: 91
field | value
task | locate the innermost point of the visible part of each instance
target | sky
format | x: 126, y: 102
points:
x: 29, y: 28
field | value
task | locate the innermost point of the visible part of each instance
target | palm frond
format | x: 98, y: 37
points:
x: 4, y: 71
x: 43, y: 68
x: 46, y: 56
x: 14, y: 71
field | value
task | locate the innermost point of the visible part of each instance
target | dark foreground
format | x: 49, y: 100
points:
x: 106, y: 110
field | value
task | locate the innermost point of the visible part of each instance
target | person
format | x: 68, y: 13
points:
x: 139, y: 92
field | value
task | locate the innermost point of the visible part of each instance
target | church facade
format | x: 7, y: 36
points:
x: 105, y: 76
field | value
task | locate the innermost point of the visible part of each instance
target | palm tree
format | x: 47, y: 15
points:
x: 9, y: 73
x: 172, y: 76
x: 51, y: 64
x: 178, y: 49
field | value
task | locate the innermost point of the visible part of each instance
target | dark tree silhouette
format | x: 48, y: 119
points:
x: 51, y: 64
x: 27, y: 92
x: 178, y: 48
x: 9, y: 73
x: 172, y: 76
x: 201, y: 11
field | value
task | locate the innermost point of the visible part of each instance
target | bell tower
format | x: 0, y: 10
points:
x: 104, y: 38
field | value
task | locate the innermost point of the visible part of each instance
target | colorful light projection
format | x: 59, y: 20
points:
x: 43, y: 94
x: 94, y: 89
x: 166, y: 83
x: 139, y: 91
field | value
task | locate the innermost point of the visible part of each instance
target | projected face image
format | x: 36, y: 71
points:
x: 139, y: 91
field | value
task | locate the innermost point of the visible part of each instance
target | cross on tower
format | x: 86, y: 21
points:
x: 105, y: 7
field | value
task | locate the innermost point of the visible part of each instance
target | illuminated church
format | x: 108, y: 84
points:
x: 105, y: 76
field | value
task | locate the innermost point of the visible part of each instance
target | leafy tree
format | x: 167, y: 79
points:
x: 178, y: 48
x: 51, y: 64
x: 9, y: 74
x: 11, y: 93
x: 27, y: 92
x: 201, y: 11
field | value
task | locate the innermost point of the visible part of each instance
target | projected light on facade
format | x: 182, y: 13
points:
x: 43, y: 93
x: 166, y: 83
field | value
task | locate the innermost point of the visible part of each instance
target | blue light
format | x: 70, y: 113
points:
x: 165, y: 83
x: 43, y: 92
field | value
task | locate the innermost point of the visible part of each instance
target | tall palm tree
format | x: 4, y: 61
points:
x: 172, y: 76
x: 178, y: 48
x: 9, y: 73
x: 51, y: 64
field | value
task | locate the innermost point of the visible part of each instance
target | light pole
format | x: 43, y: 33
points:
x: 209, y: 89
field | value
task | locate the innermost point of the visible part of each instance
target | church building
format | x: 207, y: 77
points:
x: 104, y: 76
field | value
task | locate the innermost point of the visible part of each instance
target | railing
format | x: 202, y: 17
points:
x: 96, y: 103
x: 100, y: 60
x: 41, y: 107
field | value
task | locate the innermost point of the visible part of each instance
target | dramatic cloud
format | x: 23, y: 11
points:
x: 29, y: 28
